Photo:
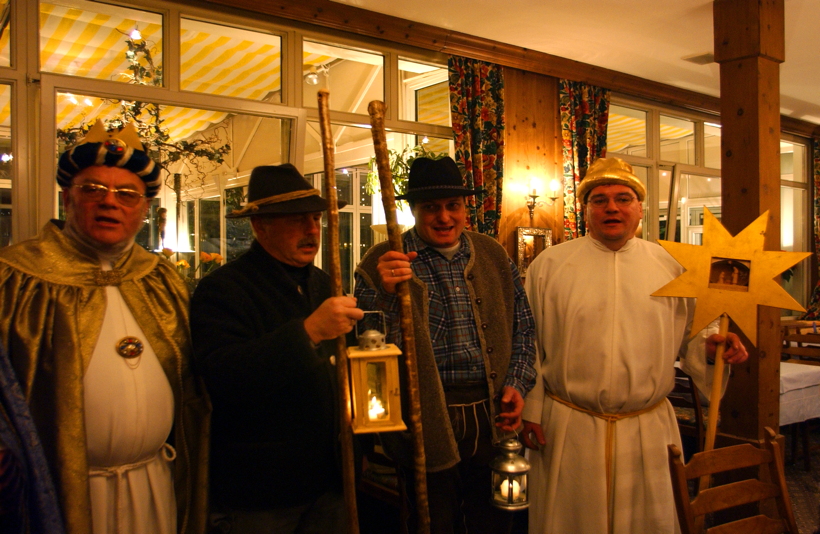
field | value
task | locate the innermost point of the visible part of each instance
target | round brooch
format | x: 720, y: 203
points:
x: 115, y: 146
x: 129, y: 347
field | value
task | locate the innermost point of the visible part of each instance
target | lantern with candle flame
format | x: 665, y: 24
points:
x: 374, y: 376
x: 509, y: 477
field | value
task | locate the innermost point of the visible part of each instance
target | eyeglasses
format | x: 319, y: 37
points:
x: 602, y: 201
x: 97, y: 192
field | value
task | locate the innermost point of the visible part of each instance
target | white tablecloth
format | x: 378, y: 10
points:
x: 799, y: 392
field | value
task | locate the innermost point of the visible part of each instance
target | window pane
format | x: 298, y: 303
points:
x: 677, y: 140
x: 99, y: 41
x: 664, y: 183
x: 5, y: 33
x: 425, y: 93
x: 793, y: 238
x: 210, y: 232
x: 365, y: 198
x: 711, y: 141
x: 435, y: 145
x: 344, y: 186
x: 195, y: 148
x: 697, y: 193
x: 345, y: 249
x: 238, y: 232
x: 221, y: 60
x: 626, y: 131
x: 187, y: 232
x: 148, y: 236
x: 353, y: 77
x: 6, y: 167
x: 354, y: 146
x: 792, y: 162
x: 365, y: 233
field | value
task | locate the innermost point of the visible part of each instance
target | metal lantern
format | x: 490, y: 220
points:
x: 374, y: 375
x: 509, y: 473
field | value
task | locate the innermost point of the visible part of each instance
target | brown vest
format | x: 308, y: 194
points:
x: 488, y: 278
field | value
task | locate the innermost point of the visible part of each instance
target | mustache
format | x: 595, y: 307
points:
x: 305, y: 241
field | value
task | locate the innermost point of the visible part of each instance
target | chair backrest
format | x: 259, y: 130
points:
x: 770, y: 485
x: 804, y: 347
x: 686, y: 401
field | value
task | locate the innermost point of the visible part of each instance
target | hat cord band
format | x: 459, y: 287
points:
x: 275, y: 199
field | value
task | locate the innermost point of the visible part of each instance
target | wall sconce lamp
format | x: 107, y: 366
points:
x: 555, y: 188
x: 312, y: 76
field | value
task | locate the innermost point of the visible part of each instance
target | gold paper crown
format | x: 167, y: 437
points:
x: 609, y: 171
x: 127, y: 135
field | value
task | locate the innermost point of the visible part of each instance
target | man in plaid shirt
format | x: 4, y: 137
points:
x: 474, y: 341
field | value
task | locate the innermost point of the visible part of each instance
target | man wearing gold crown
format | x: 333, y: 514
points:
x: 605, y: 358
x: 97, y: 333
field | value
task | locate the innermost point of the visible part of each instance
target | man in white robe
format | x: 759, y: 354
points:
x: 605, y: 355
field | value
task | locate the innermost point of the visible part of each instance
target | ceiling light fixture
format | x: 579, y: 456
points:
x: 135, y: 34
x: 312, y: 76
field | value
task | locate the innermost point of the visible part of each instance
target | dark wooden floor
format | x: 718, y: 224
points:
x: 377, y: 517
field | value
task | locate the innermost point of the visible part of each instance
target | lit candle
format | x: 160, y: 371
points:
x: 376, y: 410
x: 533, y: 192
x: 505, y: 489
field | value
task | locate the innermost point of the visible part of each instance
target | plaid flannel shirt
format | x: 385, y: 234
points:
x: 453, y: 330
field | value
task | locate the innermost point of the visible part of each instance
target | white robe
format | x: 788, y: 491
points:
x: 604, y: 344
x: 129, y: 412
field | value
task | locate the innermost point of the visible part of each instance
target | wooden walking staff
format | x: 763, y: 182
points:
x: 717, y: 381
x: 335, y: 271
x: 376, y: 111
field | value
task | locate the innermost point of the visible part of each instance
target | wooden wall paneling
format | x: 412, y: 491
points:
x: 532, y: 149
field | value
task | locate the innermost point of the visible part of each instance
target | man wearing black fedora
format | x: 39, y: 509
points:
x: 263, y: 328
x: 474, y: 337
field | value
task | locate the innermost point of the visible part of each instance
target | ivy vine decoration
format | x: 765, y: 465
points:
x: 200, y: 156
x: 400, y: 162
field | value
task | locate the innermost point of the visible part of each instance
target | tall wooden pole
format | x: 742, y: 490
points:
x: 376, y: 111
x: 714, y: 398
x: 335, y: 271
x: 749, y: 46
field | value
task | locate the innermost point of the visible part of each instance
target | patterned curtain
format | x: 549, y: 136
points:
x: 584, y: 116
x: 477, y: 111
x: 813, y: 309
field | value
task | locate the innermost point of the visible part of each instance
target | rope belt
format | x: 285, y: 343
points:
x: 119, y: 471
x: 611, y: 419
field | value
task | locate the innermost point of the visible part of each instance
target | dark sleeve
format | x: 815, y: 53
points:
x: 248, y: 340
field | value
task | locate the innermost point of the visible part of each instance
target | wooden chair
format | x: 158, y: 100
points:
x: 686, y: 402
x: 801, y: 346
x: 771, y: 485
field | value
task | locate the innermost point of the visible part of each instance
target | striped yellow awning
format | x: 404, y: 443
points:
x: 89, y: 40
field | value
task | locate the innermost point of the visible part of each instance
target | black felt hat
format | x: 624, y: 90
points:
x: 276, y: 189
x: 435, y: 178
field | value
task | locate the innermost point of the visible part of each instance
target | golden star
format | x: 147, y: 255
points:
x: 731, y: 275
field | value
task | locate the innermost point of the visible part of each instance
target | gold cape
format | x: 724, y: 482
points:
x: 52, y: 293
